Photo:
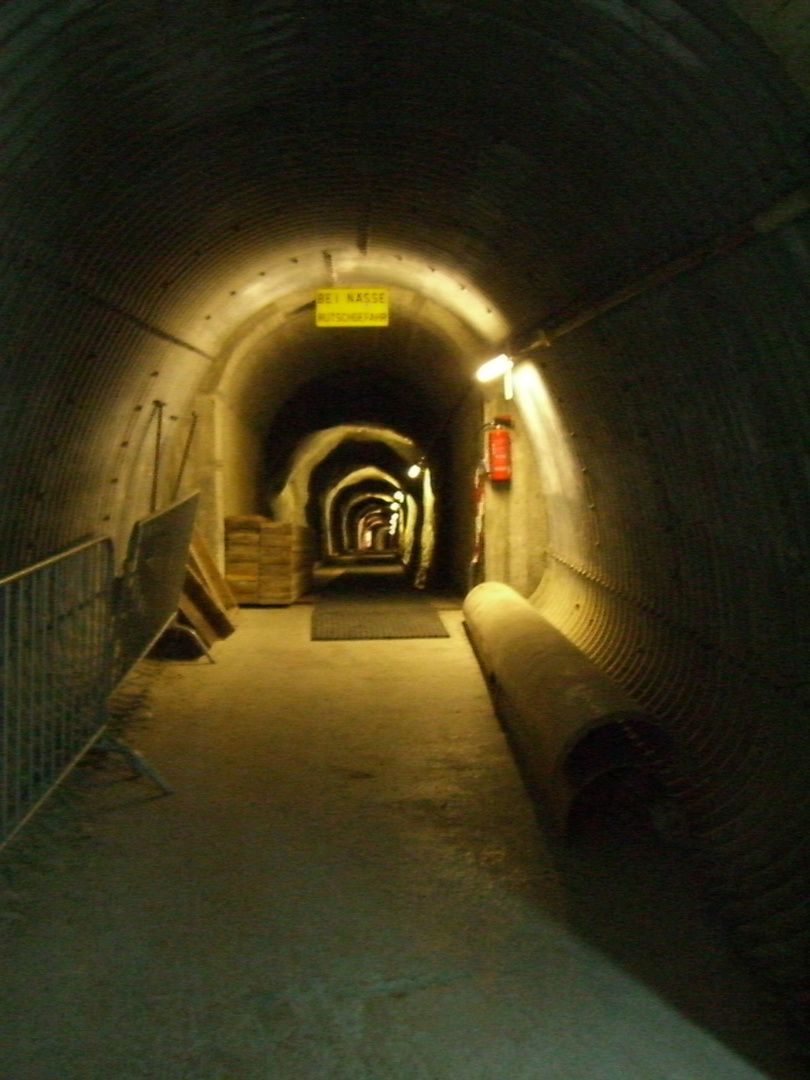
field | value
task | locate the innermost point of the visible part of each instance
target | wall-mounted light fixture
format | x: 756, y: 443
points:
x: 496, y: 368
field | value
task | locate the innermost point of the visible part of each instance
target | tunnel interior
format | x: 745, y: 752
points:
x: 331, y: 458
x: 611, y: 192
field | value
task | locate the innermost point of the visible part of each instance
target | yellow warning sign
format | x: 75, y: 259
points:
x: 365, y: 305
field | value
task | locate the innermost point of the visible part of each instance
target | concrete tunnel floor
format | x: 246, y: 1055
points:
x: 349, y: 882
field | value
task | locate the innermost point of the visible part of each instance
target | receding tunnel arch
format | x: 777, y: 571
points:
x: 407, y: 516
x: 367, y: 526
x: 177, y: 181
x: 347, y: 459
x: 362, y: 496
x: 280, y: 377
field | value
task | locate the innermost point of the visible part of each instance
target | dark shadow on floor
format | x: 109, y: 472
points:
x: 634, y: 893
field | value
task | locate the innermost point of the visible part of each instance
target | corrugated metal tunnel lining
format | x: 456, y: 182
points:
x: 177, y: 181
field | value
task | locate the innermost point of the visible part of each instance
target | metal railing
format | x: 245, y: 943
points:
x: 56, y: 671
x: 70, y: 631
x: 148, y: 592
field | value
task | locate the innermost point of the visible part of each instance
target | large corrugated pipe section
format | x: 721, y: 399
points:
x: 613, y: 191
x: 571, y: 726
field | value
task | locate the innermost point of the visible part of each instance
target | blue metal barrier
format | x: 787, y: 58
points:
x: 56, y: 670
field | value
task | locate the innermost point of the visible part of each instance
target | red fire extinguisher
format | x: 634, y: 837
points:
x: 499, y: 449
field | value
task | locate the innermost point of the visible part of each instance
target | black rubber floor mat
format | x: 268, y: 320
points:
x: 346, y: 621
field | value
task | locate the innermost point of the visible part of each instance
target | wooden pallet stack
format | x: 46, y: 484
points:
x: 267, y: 562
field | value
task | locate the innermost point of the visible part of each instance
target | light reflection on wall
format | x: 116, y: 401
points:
x: 428, y: 528
x: 560, y: 473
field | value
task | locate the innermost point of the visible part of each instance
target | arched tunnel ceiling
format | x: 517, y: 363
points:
x: 429, y: 349
x: 173, y: 175
x: 323, y: 458
x: 359, y: 393
x: 177, y: 148
x: 369, y: 460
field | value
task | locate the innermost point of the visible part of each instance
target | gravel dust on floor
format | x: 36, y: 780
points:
x: 349, y: 883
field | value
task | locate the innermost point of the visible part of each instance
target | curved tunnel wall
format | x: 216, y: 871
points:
x: 177, y: 180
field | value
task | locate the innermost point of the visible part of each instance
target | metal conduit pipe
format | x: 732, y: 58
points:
x: 784, y: 211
